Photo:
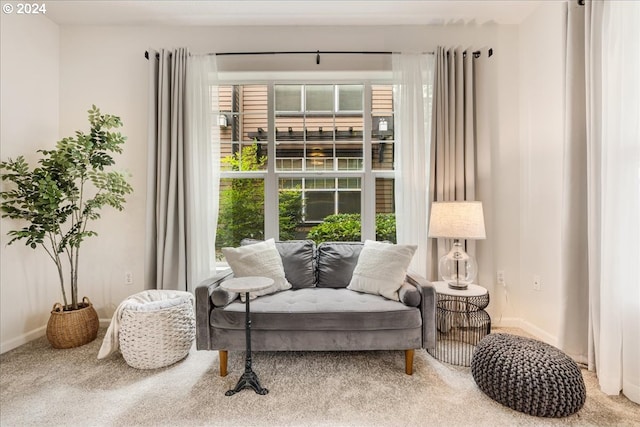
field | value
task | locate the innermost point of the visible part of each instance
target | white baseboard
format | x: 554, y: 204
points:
x: 32, y: 335
x: 515, y: 322
x: 22, y: 339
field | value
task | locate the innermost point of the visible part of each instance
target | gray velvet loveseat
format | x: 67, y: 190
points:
x: 318, y: 313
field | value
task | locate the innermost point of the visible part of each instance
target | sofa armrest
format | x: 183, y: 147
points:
x: 427, y: 308
x: 204, y: 307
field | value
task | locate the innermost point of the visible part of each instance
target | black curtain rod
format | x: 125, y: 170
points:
x: 301, y: 52
x: 476, y: 53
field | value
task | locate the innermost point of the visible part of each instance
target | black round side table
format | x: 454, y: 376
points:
x: 461, y: 322
x: 249, y: 379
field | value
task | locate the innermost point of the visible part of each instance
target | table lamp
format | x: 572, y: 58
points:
x: 457, y: 220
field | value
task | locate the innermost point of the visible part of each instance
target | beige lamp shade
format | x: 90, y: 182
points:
x: 457, y: 220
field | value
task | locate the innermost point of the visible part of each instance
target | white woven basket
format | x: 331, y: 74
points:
x: 157, y: 338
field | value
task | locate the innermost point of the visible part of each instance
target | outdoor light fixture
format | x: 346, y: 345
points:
x: 222, y: 121
x: 458, y: 221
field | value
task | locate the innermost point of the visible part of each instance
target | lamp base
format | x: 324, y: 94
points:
x: 457, y: 268
x: 458, y: 286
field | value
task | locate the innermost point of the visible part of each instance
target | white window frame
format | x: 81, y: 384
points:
x: 271, y: 176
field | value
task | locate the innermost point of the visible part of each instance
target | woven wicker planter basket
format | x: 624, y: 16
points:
x: 72, y: 328
x: 158, y: 338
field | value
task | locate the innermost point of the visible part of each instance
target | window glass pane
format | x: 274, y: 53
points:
x: 381, y: 99
x: 253, y: 106
x: 244, y: 157
x: 349, y: 157
x: 349, y: 127
x: 319, y: 98
x: 253, y: 127
x: 289, y: 143
x: 318, y: 205
x: 349, y: 183
x: 385, y: 210
x: 289, y: 183
x: 320, y: 183
x: 319, y: 128
x: 319, y: 164
x: 382, y: 127
x: 382, y: 155
x: 286, y: 163
x: 350, y: 97
x: 241, y: 212
x: 288, y: 98
x: 319, y: 157
x: 290, y: 210
x: 349, y: 202
x: 289, y: 128
x: 224, y: 98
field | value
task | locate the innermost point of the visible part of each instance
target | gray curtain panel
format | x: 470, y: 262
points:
x: 453, y: 137
x: 574, y: 286
x: 166, y: 265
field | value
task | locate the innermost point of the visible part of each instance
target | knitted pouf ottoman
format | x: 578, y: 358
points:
x: 528, y: 375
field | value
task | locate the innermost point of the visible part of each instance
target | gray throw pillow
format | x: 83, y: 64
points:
x: 336, y: 262
x: 298, y: 260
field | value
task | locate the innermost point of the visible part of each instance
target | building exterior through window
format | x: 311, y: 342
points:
x: 305, y: 160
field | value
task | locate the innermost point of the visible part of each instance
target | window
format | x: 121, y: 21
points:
x: 319, y: 151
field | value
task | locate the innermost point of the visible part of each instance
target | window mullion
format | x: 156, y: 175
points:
x: 368, y: 186
x: 271, y: 197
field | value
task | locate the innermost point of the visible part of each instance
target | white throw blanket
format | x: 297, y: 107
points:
x: 142, y: 301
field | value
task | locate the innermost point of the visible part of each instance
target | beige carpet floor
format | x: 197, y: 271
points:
x: 42, y: 386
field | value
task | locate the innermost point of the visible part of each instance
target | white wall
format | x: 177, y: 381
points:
x: 29, y: 121
x: 503, y: 219
x: 106, y: 66
x: 541, y: 91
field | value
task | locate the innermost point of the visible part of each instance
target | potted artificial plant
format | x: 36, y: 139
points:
x: 56, y: 201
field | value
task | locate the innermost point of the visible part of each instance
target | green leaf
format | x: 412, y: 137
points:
x: 67, y: 189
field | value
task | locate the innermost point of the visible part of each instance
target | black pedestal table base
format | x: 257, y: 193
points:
x: 249, y: 379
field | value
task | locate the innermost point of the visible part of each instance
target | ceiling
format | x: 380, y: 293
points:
x: 289, y: 12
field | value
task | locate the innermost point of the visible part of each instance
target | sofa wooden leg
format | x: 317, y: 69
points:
x: 223, y: 354
x: 408, y: 361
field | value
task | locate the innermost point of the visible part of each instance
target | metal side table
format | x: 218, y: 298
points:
x: 461, y: 322
x: 245, y: 285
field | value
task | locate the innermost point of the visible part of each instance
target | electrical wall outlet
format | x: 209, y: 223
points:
x: 537, y: 283
x: 500, y: 277
x: 128, y: 278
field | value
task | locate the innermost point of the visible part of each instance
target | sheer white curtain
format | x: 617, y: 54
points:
x: 413, y: 79
x: 182, y: 188
x: 618, y: 354
x: 601, y: 322
x: 203, y: 178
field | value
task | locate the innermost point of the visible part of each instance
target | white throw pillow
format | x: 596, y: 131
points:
x: 258, y: 259
x: 381, y: 268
